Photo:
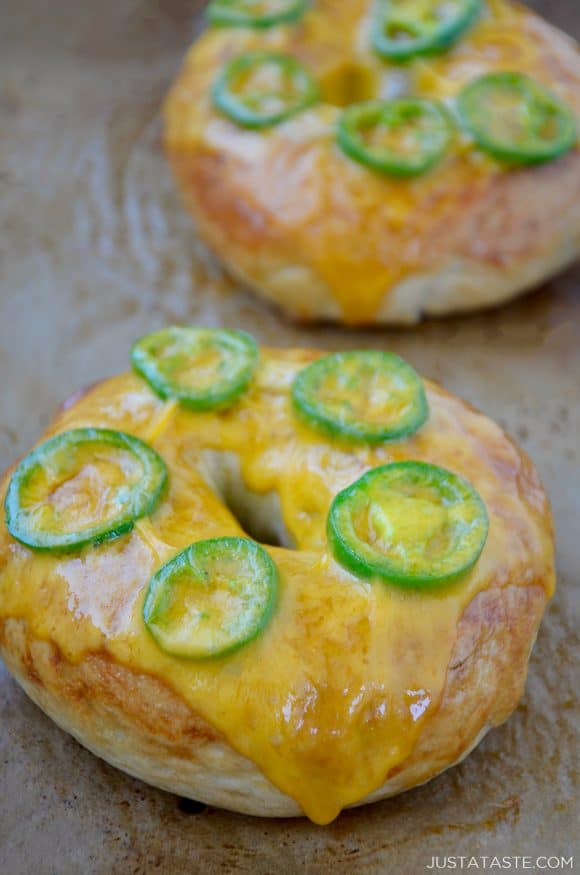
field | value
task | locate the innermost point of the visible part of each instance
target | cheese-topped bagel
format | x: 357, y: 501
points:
x: 275, y: 581
x: 342, y: 162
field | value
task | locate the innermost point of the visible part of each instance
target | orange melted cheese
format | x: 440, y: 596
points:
x: 361, y: 233
x: 335, y: 692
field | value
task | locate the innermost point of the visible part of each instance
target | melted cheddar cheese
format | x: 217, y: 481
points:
x: 360, y: 233
x: 333, y: 695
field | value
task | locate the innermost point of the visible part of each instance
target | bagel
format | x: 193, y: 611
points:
x: 325, y: 238
x: 358, y: 685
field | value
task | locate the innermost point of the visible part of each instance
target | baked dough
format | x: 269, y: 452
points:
x: 354, y: 691
x: 324, y: 237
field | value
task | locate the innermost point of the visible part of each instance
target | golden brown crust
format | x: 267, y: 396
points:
x: 138, y: 723
x: 304, y: 226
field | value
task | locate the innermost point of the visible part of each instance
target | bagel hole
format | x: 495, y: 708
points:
x: 259, y: 514
x: 348, y: 83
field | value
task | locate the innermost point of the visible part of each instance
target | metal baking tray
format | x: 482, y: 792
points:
x: 95, y: 250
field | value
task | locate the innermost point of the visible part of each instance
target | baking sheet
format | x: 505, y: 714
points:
x: 95, y: 251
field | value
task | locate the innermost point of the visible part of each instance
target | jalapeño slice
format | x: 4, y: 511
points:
x: 211, y: 598
x: 254, y: 13
x: 401, y: 137
x: 408, y: 523
x: 364, y: 395
x: 203, y: 368
x: 404, y: 29
x: 82, y: 487
x: 516, y: 119
x: 260, y: 89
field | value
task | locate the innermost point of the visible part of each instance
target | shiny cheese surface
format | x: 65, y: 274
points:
x: 335, y: 692
x: 360, y: 232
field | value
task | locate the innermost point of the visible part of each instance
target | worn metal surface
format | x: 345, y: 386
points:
x: 95, y: 250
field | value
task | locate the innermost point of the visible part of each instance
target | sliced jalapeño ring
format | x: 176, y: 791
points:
x: 405, y: 29
x: 82, y: 487
x: 361, y: 395
x: 408, y: 523
x: 254, y: 13
x: 515, y: 119
x: 400, y: 137
x: 260, y: 89
x: 212, y: 598
x: 203, y: 368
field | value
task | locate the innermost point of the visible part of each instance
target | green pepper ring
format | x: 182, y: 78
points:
x: 396, y: 111
x: 342, y: 537
x: 241, y: 347
x: 468, y: 104
x: 438, y: 41
x: 145, y: 496
x: 307, y: 406
x: 235, y: 109
x: 260, y: 612
x: 220, y: 13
